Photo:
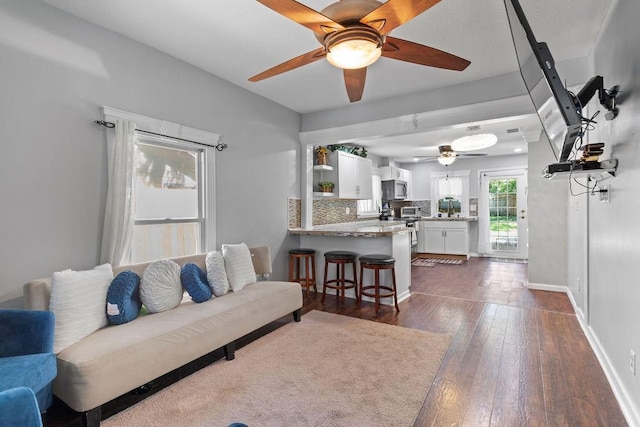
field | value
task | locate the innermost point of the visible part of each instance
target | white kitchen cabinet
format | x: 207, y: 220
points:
x: 351, y: 176
x: 408, y: 176
x: 393, y: 173
x: 364, y: 183
x: 444, y: 237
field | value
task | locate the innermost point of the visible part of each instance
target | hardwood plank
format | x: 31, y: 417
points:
x: 557, y: 394
x: 482, y: 394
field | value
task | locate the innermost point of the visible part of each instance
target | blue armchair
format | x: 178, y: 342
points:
x: 19, y: 407
x: 26, y: 353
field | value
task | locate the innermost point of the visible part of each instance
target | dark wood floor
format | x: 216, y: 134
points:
x: 517, y: 356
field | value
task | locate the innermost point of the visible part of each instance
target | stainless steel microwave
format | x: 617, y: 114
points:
x: 394, y: 190
x: 410, y: 212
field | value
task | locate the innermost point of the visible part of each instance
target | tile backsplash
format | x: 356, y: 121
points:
x: 333, y: 211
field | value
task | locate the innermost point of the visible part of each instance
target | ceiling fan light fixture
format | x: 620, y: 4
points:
x: 446, y: 160
x: 353, y: 48
x: 474, y: 142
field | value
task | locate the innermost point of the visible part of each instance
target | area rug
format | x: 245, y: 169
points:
x: 420, y: 262
x: 430, y: 262
x: 327, y: 370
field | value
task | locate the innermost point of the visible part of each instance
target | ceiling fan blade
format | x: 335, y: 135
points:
x: 472, y: 154
x: 396, y: 12
x: 354, y: 80
x: 427, y: 159
x: 315, y: 21
x: 291, y: 64
x: 407, y: 51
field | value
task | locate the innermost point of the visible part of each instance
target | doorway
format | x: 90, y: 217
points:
x: 502, y: 214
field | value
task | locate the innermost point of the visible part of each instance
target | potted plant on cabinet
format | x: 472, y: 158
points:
x: 322, y: 155
x: 326, y: 187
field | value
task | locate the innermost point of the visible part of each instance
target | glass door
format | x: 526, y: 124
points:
x: 504, y: 216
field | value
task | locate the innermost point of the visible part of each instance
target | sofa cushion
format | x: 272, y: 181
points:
x: 216, y: 273
x: 123, y: 298
x: 194, y: 280
x: 77, y: 301
x: 160, y: 287
x: 237, y: 262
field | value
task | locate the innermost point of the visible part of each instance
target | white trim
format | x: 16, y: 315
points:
x: 434, y: 177
x: 545, y: 287
x: 163, y: 127
x: 630, y: 411
x: 176, y: 130
x: 419, y: 122
x: 403, y: 296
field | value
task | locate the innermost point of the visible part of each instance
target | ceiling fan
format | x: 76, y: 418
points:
x: 355, y: 33
x: 448, y: 156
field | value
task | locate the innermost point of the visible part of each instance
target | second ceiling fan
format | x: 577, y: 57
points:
x: 354, y: 34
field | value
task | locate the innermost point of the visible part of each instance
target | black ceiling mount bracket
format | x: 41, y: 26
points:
x: 607, y: 97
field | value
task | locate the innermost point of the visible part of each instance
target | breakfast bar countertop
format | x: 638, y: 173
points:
x: 355, y: 229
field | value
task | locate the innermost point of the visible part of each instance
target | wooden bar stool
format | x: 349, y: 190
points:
x: 377, y: 262
x: 340, y: 283
x: 309, y: 256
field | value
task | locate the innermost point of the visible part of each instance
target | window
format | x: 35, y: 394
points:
x: 170, y: 200
x: 454, y: 185
x: 371, y: 207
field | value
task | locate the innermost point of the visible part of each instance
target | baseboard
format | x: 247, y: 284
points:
x: 630, y: 411
x: 544, y: 287
x: 403, y: 296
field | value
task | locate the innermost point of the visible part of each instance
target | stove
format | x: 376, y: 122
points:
x: 412, y: 224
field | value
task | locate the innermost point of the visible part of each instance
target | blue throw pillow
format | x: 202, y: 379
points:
x: 123, y: 298
x: 194, y: 280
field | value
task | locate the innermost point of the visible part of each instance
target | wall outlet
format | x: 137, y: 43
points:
x: 632, y: 362
x: 348, y: 211
x: 605, y: 194
x: 578, y: 281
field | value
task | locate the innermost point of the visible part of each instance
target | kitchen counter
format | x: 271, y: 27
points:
x: 355, y: 229
x: 446, y: 218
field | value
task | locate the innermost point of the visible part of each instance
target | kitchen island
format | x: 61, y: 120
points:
x: 363, y: 238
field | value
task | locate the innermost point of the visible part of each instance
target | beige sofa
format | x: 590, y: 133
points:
x: 117, y: 359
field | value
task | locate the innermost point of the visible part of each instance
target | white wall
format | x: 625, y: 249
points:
x: 57, y: 70
x: 614, y: 231
x: 422, y: 171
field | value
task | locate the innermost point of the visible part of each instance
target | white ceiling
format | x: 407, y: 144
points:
x: 237, y: 39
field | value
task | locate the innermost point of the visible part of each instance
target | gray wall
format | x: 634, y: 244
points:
x: 57, y: 70
x: 614, y: 231
x: 547, y: 204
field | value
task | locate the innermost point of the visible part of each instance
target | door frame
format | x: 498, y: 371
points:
x: 483, y: 201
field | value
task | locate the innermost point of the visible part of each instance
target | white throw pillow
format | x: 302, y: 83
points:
x: 77, y: 300
x: 237, y: 262
x: 216, y: 274
x: 160, y: 286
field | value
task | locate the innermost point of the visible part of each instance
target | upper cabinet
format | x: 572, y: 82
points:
x: 351, y: 176
x: 394, y: 173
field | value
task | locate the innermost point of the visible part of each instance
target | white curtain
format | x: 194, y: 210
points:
x: 119, y: 218
x: 484, y: 247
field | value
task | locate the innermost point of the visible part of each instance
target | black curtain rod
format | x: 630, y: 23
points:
x: 110, y: 125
